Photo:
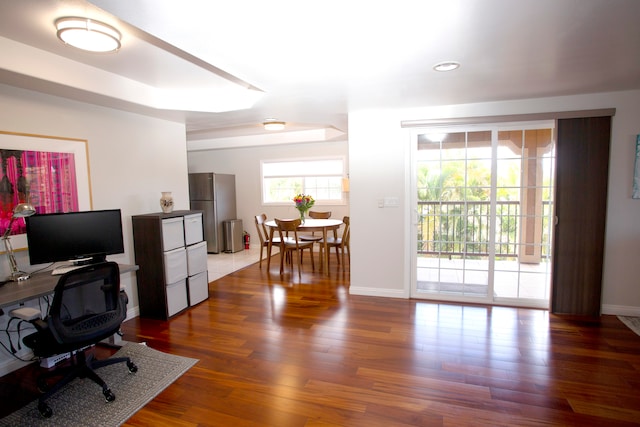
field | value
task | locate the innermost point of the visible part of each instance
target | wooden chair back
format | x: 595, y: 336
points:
x: 316, y: 215
x: 290, y: 243
x: 263, y: 233
x: 286, y: 226
x: 346, y: 233
x: 341, y: 244
x: 319, y: 215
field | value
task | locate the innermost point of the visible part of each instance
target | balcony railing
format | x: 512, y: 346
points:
x: 462, y: 228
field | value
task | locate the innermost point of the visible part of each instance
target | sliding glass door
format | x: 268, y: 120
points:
x: 483, y: 209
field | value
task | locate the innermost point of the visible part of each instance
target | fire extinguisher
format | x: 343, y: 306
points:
x: 246, y: 240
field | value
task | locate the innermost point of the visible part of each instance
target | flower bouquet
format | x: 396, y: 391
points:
x: 303, y: 204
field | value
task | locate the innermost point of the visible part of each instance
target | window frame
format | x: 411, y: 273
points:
x: 319, y: 202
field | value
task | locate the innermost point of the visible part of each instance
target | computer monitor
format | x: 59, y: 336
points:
x: 80, y: 237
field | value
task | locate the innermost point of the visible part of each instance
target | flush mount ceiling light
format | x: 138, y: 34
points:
x: 272, y: 124
x: 446, y: 66
x: 88, y: 34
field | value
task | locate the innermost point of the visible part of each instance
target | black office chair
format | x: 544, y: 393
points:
x: 88, y: 307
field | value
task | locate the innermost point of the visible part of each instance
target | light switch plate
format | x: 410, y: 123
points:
x: 392, y: 202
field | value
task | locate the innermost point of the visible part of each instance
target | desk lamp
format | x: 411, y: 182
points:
x: 22, y: 210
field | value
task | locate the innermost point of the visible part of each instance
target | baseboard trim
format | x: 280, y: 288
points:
x: 621, y: 310
x: 377, y: 292
x: 133, y: 312
x: 10, y: 365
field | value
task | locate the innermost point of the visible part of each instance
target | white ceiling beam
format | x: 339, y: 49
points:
x: 278, y: 138
x: 222, y: 95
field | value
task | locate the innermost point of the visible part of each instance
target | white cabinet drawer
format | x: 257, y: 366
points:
x: 175, y: 265
x: 176, y: 297
x: 197, y: 258
x: 193, y: 232
x: 172, y: 233
x: 198, y: 288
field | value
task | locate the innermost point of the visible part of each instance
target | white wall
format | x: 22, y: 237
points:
x: 132, y: 158
x: 244, y: 163
x: 378, y: 152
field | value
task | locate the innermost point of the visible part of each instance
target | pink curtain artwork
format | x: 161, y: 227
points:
x: 47, y: 180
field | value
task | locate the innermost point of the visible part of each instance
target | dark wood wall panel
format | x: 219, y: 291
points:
x: 581, y: 203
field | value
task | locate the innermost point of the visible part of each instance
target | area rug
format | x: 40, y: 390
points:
x: 632, y: 322
x: 81, y: 403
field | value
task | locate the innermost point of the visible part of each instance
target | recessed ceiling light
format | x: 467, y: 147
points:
x: 88, y: 34
x: 446, y: 66
x: 273, y: 124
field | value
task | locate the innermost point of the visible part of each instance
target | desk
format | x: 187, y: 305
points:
x: 38, y: 285
x: 310, y: 224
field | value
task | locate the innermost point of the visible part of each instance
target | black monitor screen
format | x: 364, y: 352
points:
x: 88, y: 235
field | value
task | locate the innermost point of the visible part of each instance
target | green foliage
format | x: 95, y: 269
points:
x: 458, y: 225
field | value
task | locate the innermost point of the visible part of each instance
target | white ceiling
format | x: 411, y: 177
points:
x: 316, y: 60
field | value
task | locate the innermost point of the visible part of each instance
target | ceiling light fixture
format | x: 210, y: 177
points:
x: 88, y: 34
x: 272, y: 124
x: 446, y: 66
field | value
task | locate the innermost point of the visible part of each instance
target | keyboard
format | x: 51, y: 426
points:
x: 64, y: 269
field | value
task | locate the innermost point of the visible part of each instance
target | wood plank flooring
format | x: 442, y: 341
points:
x: 276, y: 351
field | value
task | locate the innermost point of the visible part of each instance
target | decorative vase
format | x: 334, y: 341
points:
x: 166, y: 202
x: 302, y: 211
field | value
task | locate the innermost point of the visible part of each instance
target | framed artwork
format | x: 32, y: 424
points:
x: 51, y: 173
x: 636, y: 171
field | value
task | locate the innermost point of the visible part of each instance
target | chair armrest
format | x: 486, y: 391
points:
x: 124, y: 297
x: 40, y: 325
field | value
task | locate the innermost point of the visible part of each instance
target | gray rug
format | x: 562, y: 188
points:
x: 81, y: 402
x: 632, y: 322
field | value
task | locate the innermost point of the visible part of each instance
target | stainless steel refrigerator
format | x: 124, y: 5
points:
x: 215, y: 194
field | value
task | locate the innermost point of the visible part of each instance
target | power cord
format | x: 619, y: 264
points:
x: 46, y: 267
x: 4, y: 282
x: 22, y: 315
x: 12, y: 351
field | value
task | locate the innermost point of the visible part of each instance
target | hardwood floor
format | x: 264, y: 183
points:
x: 306, y: 353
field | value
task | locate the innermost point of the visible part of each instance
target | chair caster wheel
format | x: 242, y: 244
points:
x: 132, y: 367
x: 109, y: 396
x: 44, y: 410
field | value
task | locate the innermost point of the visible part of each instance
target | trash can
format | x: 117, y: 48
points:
x: 233, y: 235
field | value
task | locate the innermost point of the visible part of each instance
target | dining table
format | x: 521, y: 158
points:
x: 310, y: 225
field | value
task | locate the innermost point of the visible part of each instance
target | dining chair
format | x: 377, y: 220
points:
x: 340, y: 243
x: 319, y: 215
x: 263, y: 235
x: 315, y: 215
x: 290, y: 243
